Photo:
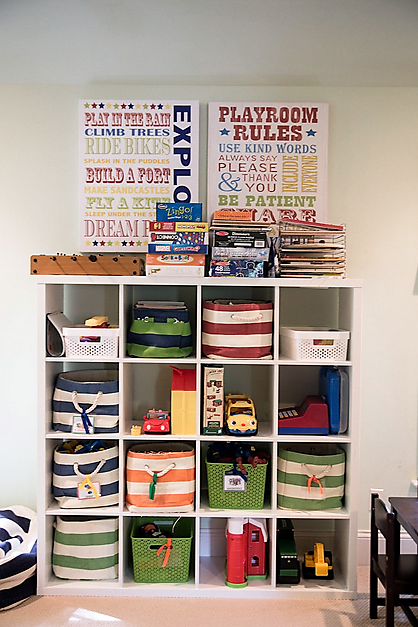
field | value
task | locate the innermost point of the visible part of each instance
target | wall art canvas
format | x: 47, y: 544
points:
x: 133, y: 154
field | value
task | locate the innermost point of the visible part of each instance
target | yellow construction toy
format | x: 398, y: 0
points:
x: 318, y: 563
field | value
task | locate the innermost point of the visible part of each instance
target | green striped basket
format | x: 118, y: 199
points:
x: 310, y: 477
x: 85, y: 548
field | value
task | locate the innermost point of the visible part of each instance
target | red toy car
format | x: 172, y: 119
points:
x: 156, y: 421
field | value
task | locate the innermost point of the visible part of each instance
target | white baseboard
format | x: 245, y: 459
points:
x: 363, y: 546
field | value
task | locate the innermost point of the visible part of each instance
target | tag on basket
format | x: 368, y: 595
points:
x: 79, y: 425
x: 88, y: 489
x: 234, y: 483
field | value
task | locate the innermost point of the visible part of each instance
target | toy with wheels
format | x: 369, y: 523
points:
x: 156, y: 421
x: 240, y: 417
x: 288, y: 567
x: 318, y: 563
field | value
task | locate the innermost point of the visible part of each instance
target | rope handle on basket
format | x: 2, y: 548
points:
x: 255, y: 318
x: 87, y: 478
x: 167, y: 546
x: 98, y: 468
x: 93, y: 406
x: 155, y: 475
x: 84, y: 412
x: 316, y: 477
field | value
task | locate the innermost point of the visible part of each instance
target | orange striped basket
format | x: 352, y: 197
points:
x: 160, y: 476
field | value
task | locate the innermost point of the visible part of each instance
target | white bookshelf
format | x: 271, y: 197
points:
x: 144, y: 383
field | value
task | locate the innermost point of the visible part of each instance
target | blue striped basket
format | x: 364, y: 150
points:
x: 91, y: 396
x: 98, y: 469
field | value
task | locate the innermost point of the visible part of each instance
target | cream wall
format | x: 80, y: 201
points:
x: 373, y: 188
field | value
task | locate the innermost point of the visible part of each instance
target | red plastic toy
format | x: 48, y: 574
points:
x: 312, y: 417
x: 246, y: 542
x: 156, y: 421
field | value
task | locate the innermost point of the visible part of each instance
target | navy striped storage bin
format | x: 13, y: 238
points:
x: 89, y: 396
x: 86, y: 479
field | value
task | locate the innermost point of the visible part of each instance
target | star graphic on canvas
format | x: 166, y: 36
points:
x: 95, y: 243
x: 311, y: 133
x: 224, y: 131
x: 124, y: 243
x: 160, y: 106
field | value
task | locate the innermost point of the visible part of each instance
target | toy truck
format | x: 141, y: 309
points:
x: 318, y: 563
x: 240, y: 416
x: 156, y: 421
x: 288, y: 567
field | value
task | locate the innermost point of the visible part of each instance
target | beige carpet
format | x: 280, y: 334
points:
x: 162, y: 612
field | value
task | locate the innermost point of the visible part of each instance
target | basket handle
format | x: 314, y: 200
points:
x: 256, y: 318
x: 93, y: 406
x: 87, y: 479
x: 95, y: 471
x: 85, y: 412
x: 316, y: 477
x: 167, y: 546
x: 155, y: 475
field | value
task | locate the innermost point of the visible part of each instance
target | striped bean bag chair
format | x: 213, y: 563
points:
x: 18, y: 544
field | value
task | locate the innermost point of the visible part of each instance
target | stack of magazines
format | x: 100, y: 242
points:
x: 310, y: 249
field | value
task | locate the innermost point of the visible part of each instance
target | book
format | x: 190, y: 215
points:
x: 160, y: 304
x: 256, y: 254
x: 253, y: 238
x: 304, y: 225
x: 234, y: 215
x: 179, y: 211
x: 310, y: 249
x: 55, y: 343
x: 199, y: 227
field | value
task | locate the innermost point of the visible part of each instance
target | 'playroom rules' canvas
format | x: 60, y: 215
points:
x: 133, y: 154
x: 271, y: 157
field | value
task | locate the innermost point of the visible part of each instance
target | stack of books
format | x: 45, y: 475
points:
x: 240, y: 246
x: 178, y: 241
x: 310, y: 249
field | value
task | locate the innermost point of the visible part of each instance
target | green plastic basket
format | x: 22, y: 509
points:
x: 148, y: 566
x: 251, y: 498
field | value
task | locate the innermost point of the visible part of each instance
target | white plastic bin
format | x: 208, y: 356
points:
x: 314, y: 343
x: 82, y: 341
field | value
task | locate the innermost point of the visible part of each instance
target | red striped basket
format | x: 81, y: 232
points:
x: 237, y: 329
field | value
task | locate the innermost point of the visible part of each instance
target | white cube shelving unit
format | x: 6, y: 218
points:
x: 146, y: 383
